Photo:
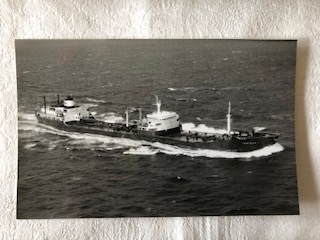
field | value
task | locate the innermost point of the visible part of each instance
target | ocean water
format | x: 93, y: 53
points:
x: 73, y: 175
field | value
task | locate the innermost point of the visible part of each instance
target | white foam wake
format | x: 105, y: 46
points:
x: 110, y: 117
x: 143, y: 150
x: 30, y: 145
x: 94, y: 140
x: 27, y: 117
x: 201, y: 128
x: 259, y: 129
x: 174, y: 150
x: 95, y: 100
x: 89, y: 105
x: 76, y: 140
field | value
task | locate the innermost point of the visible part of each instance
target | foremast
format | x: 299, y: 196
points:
x: 229, y: 119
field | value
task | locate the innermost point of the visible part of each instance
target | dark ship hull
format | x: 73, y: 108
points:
x: 250, y: 141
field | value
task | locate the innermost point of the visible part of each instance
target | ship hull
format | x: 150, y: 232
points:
x: 172, y: 137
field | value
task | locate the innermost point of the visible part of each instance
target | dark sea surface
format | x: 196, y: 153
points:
x: 72, y: 175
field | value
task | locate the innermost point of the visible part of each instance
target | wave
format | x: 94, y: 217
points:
x: 186, y: 99
x: 172, y: 89
x: 89, y: 105
x: 95, y: 100
x: 192, y: 89
x: 143, y: 150
x: 30, y: 145
x: 283, y: 116
x: 202, y: 128
x: 51, y: 147
x: 233, y: 88
x: 259, y: 129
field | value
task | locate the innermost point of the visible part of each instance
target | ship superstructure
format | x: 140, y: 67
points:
x: 161, y: 122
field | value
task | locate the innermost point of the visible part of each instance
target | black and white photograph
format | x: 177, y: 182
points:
x: 156, y: 128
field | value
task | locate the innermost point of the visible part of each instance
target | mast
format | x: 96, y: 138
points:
x: 229, y: 119
x: 58, y: 99
x: 44, y: 104
x: 127, y: 118
x: 140, y: 113
x: 158, y: 103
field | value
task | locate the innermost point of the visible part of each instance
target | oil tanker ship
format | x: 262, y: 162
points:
x: 159, y: 126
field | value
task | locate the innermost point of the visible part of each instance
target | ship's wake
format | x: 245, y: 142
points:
x: 26, y: 117
x: 30, y: 129
x: 156, y: 148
